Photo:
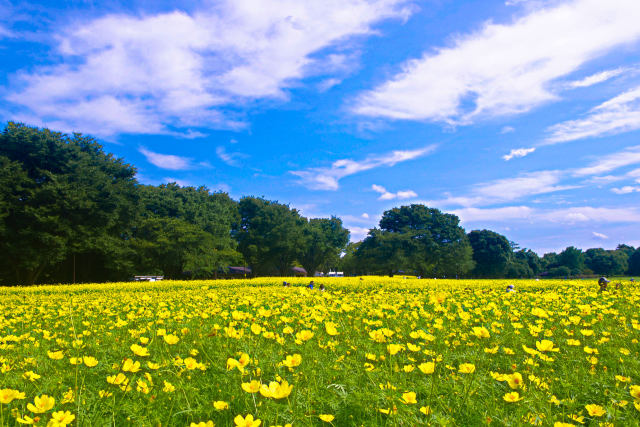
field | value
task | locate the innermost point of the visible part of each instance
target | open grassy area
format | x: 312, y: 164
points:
x: 377, y: 351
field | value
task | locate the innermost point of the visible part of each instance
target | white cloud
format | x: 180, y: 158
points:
x: 328, y: 178
x: 611, y: 162
x: 156, y: 73
x: 617, y: 115
x: 574, y: 215
x: 599, y: 236
x: 507, y: 129
x: 597, y: 78
x: 358, y: 233
x: 5, y: 32
x: 626, y: 189
x: 166, y: 161
x: 518, y: 152
x: 229, y: 158
x: 180, y: 182
x: 504, y: 68
x: 365, y: 215
x: 386, y: 195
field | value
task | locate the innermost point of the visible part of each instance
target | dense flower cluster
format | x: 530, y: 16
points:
x: 367, y: 351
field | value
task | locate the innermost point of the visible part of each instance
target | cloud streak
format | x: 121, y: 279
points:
x: 166, y: 161
x: 386, y: 195
x: 328, y: 178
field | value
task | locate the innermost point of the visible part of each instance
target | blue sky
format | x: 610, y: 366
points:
x: 521, y: 116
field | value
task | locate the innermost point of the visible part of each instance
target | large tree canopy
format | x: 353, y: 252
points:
x: 418, y: 239
x: 491, y: 253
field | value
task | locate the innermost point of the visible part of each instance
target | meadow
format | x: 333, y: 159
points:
x: 371, y: 351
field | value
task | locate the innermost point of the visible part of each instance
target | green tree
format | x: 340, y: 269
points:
x: 573, y: 259
x: 270, y: 235
x: 491, y: 253
x: 606, y: 263
x: 325, y: 238
x: 634, y: 263
x: 63, y: 198
x: 417, y: 239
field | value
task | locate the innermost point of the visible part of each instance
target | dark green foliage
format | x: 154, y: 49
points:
x: 418, y: 240
x: 325, y: 238
x: 634, y: 263
x: 491, y: 253
x: 606, y: 263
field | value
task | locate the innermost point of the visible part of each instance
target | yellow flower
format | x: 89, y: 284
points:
x: 292, y: 361
x: 276, y: 390
x: 168, y: 387
x: 467, y: 368
x: 409, y: 398
x: 171, y: 339
x: 427, y: 367
x: 62, y: 418
x: 90, y: 361
x: 394, y: 348
x: 130, y: 366
x: 220, y: 405
x: 634, y: 391
x: 153, y: 366
x: 426, y: 410
x: 30, y: 375
x: 561, y: 424
x: 369, y: 367
x: 67, y: 397
x: 203, y: 424
x: 75, y: 360
x: 595, y: 410
x: 26, y: 420
x: 408, y: 368
x: 252, y: 387
x: 55, y: 355
x: 515, y: 380
x: 514, y: 396
x: 104, y: 393
x: 545, y: 345
x: 117, y: 379
x: 42, y: 404
x: 327, y: 418
x: 304, y: 335
x: 7, y: 395
x: 331, y: 329
x: 247, y: 421
x: 138, y: 350
x: 481, y: 332
x: 573, y: 342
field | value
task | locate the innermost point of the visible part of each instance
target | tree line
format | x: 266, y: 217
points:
x: 70, y: 212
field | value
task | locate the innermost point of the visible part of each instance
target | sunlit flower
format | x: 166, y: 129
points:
x: 220, y: 405
x: 467, y: 368
x: 247, y: 421
x: 514, y: 396
x: 327, y: 418
x: 595, y: 410
x: 409, y: 397
x: 41, y: 404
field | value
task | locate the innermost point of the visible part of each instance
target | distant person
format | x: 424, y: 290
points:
x: 510, y: 288
x: 321, y: 288
x: 310, y: 286
x: 603, y: 282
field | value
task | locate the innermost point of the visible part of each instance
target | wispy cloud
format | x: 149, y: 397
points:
x: 518, y: 152
x: 573, y: 215
x: 627, y: 157
x: 504, y: 68
x: 328, y: 178
x: 166, y: 161
x: 599, y: 236
x: 627, y: 189
x: 386, y: 195
x: 617, y: 115
x: 597, y: 78
x: 168, y: 72
x: 232, y: 159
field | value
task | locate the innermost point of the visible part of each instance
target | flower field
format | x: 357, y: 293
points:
x: 372, y: 351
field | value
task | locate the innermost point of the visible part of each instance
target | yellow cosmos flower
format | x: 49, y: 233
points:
x: 104, y: 393
x: 331, y: 329
x: 251, y: 387
x: 130, y: 366
x: 292, y: 361
x: 573, y: 342
x: 514, y: 396
x: 481, y: 332
x: 61, y: 418
x: 409, y: 398
x: 117, y: 379
x: 26, y: 420
x: 545, y: 345
x: 138, y: 350
x: 467, y: 368
x: 327, y: 418
x: 426, y: 410
x: 90, y: 361
x: 515, y: 380
x: 153, y: 366
x: 31, y: 376
x: 427, y: 367
x: 55, y: 355
x: 75, y: 360
x: 171, y: 339
x: 304, y: 335
x: 634, y: 390
x: 168, y: 387
x: 7, y: 395
x: 203, y: 424
x: 395, y: 348
x: 220, y: 405
x: 247, y: 421
x: 256, y: 329
x: 42, y: 404
x: 276, y: 390
x: 595, y: 410
x: 561, y: 424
